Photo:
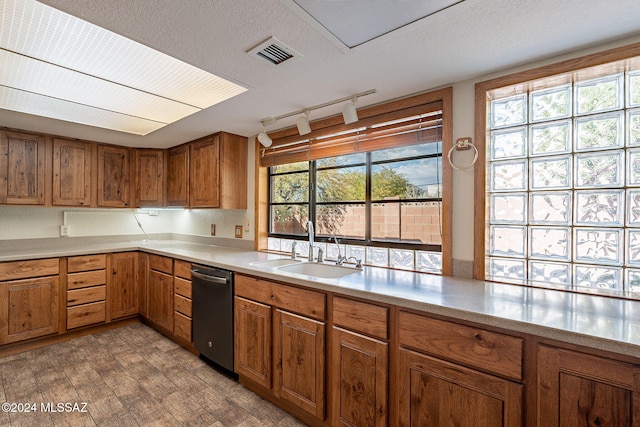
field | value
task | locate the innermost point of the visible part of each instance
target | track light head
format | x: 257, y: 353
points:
x: 265, y: 140
x: 349, y: 112
x: 302, y: 124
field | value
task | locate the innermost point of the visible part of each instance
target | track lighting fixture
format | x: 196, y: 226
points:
x: 302, y: 123
x: 264, y: 139
x: 349, y: 114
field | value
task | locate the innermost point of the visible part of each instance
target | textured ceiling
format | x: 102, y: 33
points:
x: 469, y: 39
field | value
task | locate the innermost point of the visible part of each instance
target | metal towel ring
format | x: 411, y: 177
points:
x: 463, y: 144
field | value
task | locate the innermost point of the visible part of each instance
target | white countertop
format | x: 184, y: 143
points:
x: 594, y: 321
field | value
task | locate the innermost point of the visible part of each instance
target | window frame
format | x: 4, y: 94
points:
x: 597, y: 64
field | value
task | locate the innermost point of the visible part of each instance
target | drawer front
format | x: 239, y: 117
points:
x: 182, y: 326
x: 182, y: 305
x: 301, y: 301
x: 86, y: 295
x: 87, y: 314
x: 86, y: 263
x: 182, y: 269
x: 29, y: 268
x: 182, y: 287
x: 161, y: 263
x: 86, y: 279
x: 471, y: 346
x: 361, y: 317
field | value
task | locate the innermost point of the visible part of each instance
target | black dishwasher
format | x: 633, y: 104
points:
x: 213, y: 314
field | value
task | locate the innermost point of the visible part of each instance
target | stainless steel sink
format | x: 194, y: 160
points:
x: 326, y: 271
x: 275, y: 262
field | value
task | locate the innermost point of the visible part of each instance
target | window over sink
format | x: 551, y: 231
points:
x: 377, y: 188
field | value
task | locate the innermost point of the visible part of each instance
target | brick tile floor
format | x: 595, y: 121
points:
x: 130, y: 376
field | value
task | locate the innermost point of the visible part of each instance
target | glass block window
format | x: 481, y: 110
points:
x: 563, y: 185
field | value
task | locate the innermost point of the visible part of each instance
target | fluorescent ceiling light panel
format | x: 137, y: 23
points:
x: 354, y: 22
x: 81, y: 66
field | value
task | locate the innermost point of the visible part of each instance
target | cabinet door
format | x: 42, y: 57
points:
x: 359, y: 370
x: 252, y: 353
x: 178, y: 176
x: 149, y: 178
x: 123, y: 287
x: 71, y: 173
x: 22, y: 159
x: 204, y: 181
x: 433, y: 392
x: 113, y: 176
x: 28, y: 308
x: 299, y: 361
x: 233, y: 171
x: 143, y: 283
x: 576, y: 389
x: 160, y: 299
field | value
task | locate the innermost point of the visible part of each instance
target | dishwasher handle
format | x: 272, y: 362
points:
x: 213, y: 279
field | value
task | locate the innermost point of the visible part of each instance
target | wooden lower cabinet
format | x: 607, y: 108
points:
x: 122, y: 284
x: 300, y: 356
x: 280, y: 344
x: 87, y: 288
x: 577, y: 389
x: 160, y: 299
x: 252, y: 353
x: 28, y: 308
x: 359, y: 374
x: 434, y: 392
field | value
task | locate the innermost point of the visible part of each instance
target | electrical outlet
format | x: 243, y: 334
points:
x: 64, y: 230
x: 213, y: 229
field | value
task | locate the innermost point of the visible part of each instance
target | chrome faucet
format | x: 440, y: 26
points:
x: 341, y: 259
x: 310, y: 233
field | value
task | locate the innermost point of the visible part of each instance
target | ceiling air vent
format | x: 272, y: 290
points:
x: 273, y: 51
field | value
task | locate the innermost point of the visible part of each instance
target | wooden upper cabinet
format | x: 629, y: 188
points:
x: 233, y: 171
x: 113, y: 176
x: 178, y: 176
x: 204, y: 181
x: 22, y: 168
x: 149, y: 177
x: 218, y: 172
x: 72, y: 164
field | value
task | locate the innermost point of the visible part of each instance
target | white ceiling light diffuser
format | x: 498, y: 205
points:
x: 68, y: 69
